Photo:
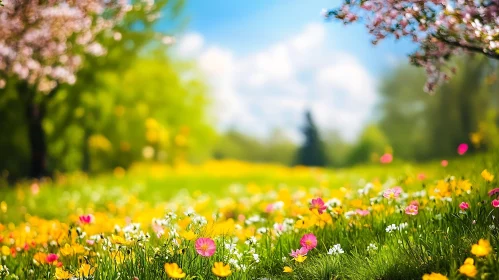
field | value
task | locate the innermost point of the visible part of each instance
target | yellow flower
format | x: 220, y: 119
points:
x: 62, y: 274
x: 487, y: 176
x: 74, y: 249
x: 288, y: 269
x: 40, y: 258
x: 174, y: 271
x: 481, y: 249
x: 468, y: 268
x: 221, y: 270
x: 189, y: 235
x: 86, y: 270
x: 5, y: 251
x: 116, y: 239
x: 434, y: 276
x: 300, y: 258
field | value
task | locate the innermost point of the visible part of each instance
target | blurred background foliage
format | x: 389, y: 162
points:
x: 138, y: 103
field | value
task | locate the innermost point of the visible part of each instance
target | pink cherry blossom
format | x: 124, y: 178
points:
x: 439, y: 28
x: 205, y: 247
x: 308, y: 241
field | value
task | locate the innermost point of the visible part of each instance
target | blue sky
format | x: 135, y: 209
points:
x: 268, y: 60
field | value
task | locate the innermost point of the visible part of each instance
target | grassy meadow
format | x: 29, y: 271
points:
x: 394, y: 221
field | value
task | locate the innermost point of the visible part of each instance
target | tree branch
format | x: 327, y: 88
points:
x: 492, y: 55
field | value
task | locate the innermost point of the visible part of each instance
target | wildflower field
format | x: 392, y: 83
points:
x: 235, y: 220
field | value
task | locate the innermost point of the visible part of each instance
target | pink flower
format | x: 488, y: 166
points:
x: 414, y: 202
x: 205, y: 247
x: 386, y: 158
x: 464, y: 206
x: 393, y: 192
x: 362, y: 212
x: 444, y: 163
x: 411, y: 210
x: 86, y: 219
x: 421, y: 176
x: 90, y: 242
x: 318, y: 203
x: 495, y: 203
x: 52, y: 258
x: 269, y: 208
x: 493, y: 191
x: 462, y: 149
x: 35, y: 188
x: 308, y: 241
x: 299, y: 252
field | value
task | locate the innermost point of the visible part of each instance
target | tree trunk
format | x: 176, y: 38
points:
x: 35, y: 113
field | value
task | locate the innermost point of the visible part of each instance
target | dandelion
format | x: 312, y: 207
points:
x: 481, y: 249
x: 287, y: 269
x: 434, y: 276
x: 60, y: 273
x: 205, y: 247
x: 464, y: 206
x: 173, y: 271
x: 5, y: 250
x: 189, y: 235
x: 392, y: 193
x: 487, y: 176
x: 300, y: 258
x: 221, y: 270
x: 86, y: 270
x: 468, y: 268
x: 308, y: 241
x: 411, y: 210
x: 462, y: 149
x: 318, y: 204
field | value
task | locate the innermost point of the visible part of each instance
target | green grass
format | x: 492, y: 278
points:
x: 438, y: 239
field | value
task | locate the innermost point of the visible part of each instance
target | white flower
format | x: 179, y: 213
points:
x: 335, y: 250
x: 372, y: 247
x: 391, y: 228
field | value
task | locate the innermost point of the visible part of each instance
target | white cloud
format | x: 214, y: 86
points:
x: 190, y: 45
x: 272, y: 87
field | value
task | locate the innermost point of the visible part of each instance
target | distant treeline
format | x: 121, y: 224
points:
x: 411, y: 124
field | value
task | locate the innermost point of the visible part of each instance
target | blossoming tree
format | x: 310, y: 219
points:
x: 440, y: 28
x: 43, y: 44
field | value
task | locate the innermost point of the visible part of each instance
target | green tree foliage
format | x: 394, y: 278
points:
x: 371, y: 144
x: 421, y: 126
x: 312, y: 152
x: 236, y: 145
x: 123, y: 105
